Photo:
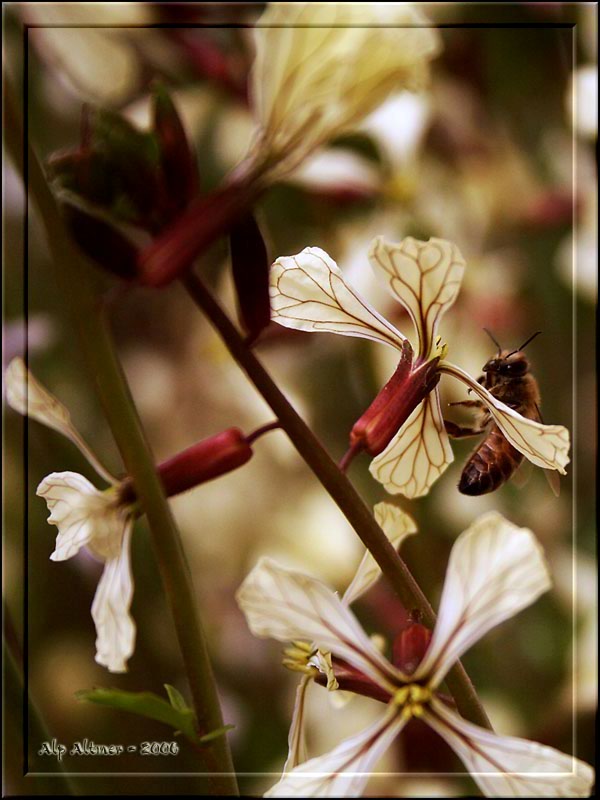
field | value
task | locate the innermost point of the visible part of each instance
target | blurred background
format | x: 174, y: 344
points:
x: 486, y: 158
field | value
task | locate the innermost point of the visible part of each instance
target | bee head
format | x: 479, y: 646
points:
x: 510, y: 365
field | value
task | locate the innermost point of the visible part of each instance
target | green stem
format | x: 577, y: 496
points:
x: 338, y: 486
x: 99, y: 354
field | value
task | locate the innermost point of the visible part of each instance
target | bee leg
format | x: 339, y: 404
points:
x: 460, y: 431
x: 467, y: 403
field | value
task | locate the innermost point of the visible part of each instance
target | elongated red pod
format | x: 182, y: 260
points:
x: 250, y: 266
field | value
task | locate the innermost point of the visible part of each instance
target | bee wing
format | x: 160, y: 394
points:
x: 522, y: 474
x: 552, y: 476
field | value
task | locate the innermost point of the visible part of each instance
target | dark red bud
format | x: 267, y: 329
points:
x: 200, y: 463
x: 410, y: 646
x: 177, y: 160
x: 101, y: 242
x: 250, y: 267
x: 407, y: 387
x: 172, y: 253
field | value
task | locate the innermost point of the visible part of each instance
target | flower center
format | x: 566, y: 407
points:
x: 412, y: 699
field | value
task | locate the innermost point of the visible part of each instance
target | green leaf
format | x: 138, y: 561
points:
x: 176, y: 698
x: 147, y: 704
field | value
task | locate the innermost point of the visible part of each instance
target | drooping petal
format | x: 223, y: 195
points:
x: 290, y: 606
x: 81, y: 513
x: 26, y: 395
x: 418, y: 454
x: 546, y: 446
x: 308, y: 293
x: 297, y: 753
x: 397, y: 525
x: 344, y: 771
x: 504, y: 766
x: 495, y: 570
x: 115, y: 627
x: 424, y: 277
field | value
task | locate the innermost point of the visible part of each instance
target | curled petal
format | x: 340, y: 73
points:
x: 495, y: 570
x: 82, y: 514
x: 110, y: 610
x: 397, y: 525
x: 418, y: 454
x: 289, y: 606
x: 26, y: 395
x: 547, y: 446
x: 296, y: 740
x: 344, y: 771
x: 308, y: 293
x: 504, y: 766
x: 424, y: 277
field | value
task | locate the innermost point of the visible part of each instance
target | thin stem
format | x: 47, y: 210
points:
x: 73, y: 275
x: 338, y: 486
x: 271, y: 426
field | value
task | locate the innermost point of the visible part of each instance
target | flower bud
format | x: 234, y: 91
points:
x: 250, y: 267
x: 395, y: 403
x: 410, y: 646
x: 177, y: 160
x: 199, y: 463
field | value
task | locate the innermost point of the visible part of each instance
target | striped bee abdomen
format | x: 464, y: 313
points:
x: 490, y: 465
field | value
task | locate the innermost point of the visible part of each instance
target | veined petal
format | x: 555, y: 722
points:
x: 397, y: 525
x: 504, y: 766
x: 297, y: 753
x: 495, y: 570
x: 424, y: 277
x: 26, y: 395
x: 418, y: 454
x: 115, y: 628
x: 82, y: 514
x: 546, y: 446
x: 308, y: 293
x: 344, y: 771
x: 290, y: 606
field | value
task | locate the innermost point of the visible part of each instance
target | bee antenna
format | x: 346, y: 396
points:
x: 524, y: 345
x: 494, y: 340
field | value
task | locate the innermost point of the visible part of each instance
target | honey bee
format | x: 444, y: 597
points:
x: 508, y: 377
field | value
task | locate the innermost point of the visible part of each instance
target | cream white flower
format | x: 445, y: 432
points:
x: 308, y: 292
x: 496, y: 569
x: 321, y: 68
x: 100, y: 521
x: 307, y: 658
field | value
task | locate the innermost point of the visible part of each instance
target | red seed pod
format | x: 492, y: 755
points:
x: 394, y: 404
x: 410, y: 646
x: 199, y: 463
x: 250, y: 267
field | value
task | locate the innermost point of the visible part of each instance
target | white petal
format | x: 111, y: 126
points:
x: 546, y: 446
x: 424, y: 276
x: 82, y: 514
x: 504, y: 766
x: 418, y: 454
x: 290, y: 606
x: 495, y: 570
x: 308, y: 293
x: 344, y: 771
x: 27, y: 396
x: 397, y: 525
x: 320, y: 68
x: 110, y: 610
x: 296, y: 739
